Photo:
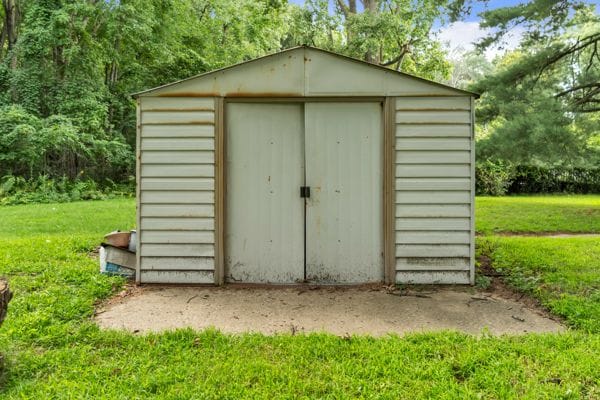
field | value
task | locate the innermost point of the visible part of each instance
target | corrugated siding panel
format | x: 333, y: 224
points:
x: 179, y: 156
x: 433, y: 210
x: 169, y: 131
x: 177, y: 210
x: 177, y: 190
x: 178, y: 104
x: 435, y: 157
x: 433, y: 277
x: 431, y: 171
x: 176, y: 143
x: 184, y: 277
x: 442, y: 131
x: 178, y: 170
x: 433, y: 103
x: 433, y: 117
x: 178, y: 224
x: 179, y: 263
x: 178, y: 250
x: 180, y: 197
x: 178, y: 183
x: 433, y: 190
x: 433, y: 197
x: 177, y: 117
x: 429, y: 250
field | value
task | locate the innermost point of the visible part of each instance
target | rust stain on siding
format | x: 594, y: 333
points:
x: 236, y: 94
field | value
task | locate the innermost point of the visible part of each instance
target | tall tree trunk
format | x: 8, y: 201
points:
x: 12, y: 18
x: 371, y: 6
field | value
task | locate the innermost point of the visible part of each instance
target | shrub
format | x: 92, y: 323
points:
x: 18, y: 190
x: 492, y: 178
x: 535, y: 179
x: 54, y: 147
x: 497, y: 179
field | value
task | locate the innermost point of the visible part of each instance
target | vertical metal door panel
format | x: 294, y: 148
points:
x: 344, y: 168
x: 265, y: 214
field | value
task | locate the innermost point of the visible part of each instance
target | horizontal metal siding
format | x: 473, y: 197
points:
x: 183, y: 277
x: 177, y: 190
x: 433, y: 190
x: 433, y: 277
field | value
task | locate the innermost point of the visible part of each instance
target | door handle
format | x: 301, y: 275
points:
x: 305, y: 192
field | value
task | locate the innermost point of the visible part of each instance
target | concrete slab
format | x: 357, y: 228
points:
x: 341, y: 311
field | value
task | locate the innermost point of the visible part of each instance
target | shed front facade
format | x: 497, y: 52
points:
x: 305, y: 166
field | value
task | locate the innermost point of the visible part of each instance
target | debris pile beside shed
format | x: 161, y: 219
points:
x: 117, y: 254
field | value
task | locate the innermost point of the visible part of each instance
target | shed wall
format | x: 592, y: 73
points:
x: 434, y: 190
x: 176, y: 193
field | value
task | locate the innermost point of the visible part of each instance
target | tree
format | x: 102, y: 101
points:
x: 392, y: 33
x: 468, y: 67
x: 559, y: 34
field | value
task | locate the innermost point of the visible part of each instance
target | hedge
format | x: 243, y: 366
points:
x: 497, y: 179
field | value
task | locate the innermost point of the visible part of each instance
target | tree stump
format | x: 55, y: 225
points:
x: 5, y: 296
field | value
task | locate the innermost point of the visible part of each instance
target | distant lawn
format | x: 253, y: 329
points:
x: 528, y: 214
x: 53, y: 350
x: 563, y: 273
x: 94, y: 218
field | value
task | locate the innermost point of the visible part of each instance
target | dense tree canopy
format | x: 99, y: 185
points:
x: 540, y: 101
x: 67, y: 69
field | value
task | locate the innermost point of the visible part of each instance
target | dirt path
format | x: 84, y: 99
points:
x: 341, y: 311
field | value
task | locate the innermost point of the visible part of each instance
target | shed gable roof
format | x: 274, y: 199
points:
x: 304, y: 71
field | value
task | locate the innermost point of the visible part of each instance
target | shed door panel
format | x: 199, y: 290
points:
x: 265, y: 215
x: 344, y: 234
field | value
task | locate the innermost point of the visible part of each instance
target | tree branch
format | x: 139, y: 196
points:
x: 579, y: 87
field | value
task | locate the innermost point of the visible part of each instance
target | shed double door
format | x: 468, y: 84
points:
x: 332, y: 235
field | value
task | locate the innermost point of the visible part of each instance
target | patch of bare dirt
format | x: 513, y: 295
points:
x: 128, y: 290
x: 499, y: 288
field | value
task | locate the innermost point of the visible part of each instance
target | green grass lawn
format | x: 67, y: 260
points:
x: 528, y: 214
x: 53, y: 350
x: 563, y: 273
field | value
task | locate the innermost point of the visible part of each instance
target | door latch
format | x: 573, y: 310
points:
x: 305, y: 191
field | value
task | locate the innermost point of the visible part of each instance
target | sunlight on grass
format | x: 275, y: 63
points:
x: 563, y: 273
x: 53, y: 349
x: 530, y: 214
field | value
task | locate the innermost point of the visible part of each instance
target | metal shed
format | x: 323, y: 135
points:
x: 305, y: 166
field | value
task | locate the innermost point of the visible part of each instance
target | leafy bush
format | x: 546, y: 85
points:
x: 54, y: 147
x: 534, y: 179
x: 18, y: 190
x: 497, y: 179
x: 493, y: 178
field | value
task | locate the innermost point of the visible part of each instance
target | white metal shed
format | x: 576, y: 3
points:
x: 305, y: 166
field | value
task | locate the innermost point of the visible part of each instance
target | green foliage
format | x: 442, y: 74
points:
x: 563, y: 273
x: 537, y: 214
x: 53, y: 350
x: 18, y: 190
x: 534, y: 179
x: 492, y: 178
x: 394, y: 33
x: 500, y: 178
x: 54, y: 147
x: 560, y: 39
x: 540, y: 103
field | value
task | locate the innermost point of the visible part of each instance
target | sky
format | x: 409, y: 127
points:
x: 460, y: 35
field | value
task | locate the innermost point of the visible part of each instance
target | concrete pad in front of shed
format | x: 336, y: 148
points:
x: 340, y: 311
